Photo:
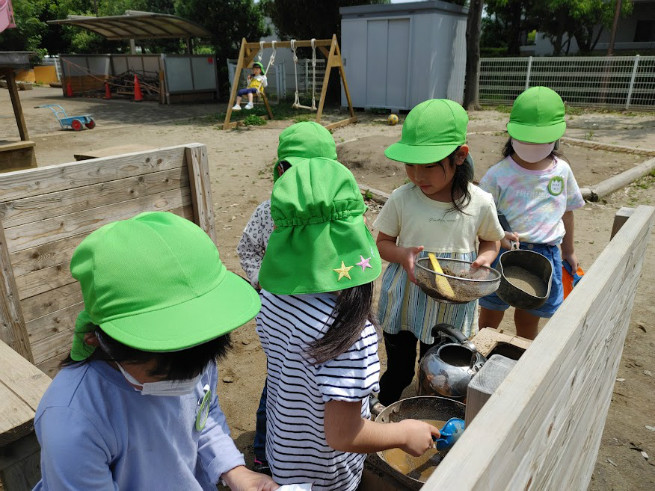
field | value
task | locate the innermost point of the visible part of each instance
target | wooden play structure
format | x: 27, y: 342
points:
x: 328, y: 47
x: 20, y: 154
x: 44, y: 214
x: 542, y: 427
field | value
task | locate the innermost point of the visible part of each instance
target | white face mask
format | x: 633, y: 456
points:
x: 532, y: 152
x: 163, y: 387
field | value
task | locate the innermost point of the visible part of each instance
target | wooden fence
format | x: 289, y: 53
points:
x: 542, y: 427
x: 46, y: 212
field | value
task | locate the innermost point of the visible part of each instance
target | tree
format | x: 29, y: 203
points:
x: 229, y: 21
x: 473, y: 24
x: 29, y: 27
x: 307, y: 19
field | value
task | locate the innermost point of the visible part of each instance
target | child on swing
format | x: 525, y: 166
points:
x: 296, y: 144
x: 315, y: 326
x: 135, y: 404
x: 256, y: 83
x: 439, y: 211
x: 536, y: 191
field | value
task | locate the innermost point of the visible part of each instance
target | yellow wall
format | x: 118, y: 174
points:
x: 40, y: 75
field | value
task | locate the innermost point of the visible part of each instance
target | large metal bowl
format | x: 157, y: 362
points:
x: 467, y: 283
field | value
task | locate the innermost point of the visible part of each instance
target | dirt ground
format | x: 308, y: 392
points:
x: 241, y: 178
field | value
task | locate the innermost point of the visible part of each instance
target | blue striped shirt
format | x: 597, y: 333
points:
x: 296, y: 447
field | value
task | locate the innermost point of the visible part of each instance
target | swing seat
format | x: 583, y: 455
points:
x: 300, y: 106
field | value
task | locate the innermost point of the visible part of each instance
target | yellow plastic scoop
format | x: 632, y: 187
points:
x: 442, y: 282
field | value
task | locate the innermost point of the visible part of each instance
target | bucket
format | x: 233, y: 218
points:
x: 525, y: 279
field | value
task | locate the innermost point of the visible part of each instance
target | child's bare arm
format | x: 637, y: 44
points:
x: 346, y: 431
x: 391, y: 252
x: 487, y: 252
x: 568, y: 249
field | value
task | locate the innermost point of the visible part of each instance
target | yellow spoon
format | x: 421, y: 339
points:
x: 442, y: 282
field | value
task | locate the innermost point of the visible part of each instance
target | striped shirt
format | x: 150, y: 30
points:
x: 296, y: 447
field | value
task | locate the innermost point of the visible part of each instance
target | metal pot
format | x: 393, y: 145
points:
x: 423, y: 408
x: 447, y: 368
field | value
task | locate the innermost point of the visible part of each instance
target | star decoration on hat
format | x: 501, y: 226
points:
x: 343, y: 271
x: 364, y: 263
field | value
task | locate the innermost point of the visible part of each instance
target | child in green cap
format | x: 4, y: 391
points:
x: 135, y: 404
x: 439, y: 211
x: 315, y: 327
x: 536, y: 191
x: 297, y: 143
x: 256, y: 83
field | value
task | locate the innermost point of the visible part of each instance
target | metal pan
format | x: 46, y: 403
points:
x: 529, y: 262
x: 422, y: 407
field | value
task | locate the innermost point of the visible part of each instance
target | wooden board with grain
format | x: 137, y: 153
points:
x: 46, y: 212
x: 542, y: 427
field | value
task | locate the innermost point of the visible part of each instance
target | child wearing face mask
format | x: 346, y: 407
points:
x: 536, y: 191
x: 134, y: 405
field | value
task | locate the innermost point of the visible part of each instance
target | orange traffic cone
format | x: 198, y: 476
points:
x: 69, y: 90
x: 107, y: 91
x: 138, y: 96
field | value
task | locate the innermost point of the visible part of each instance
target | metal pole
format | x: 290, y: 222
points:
x: 527, y: 75
x: 632, y: 81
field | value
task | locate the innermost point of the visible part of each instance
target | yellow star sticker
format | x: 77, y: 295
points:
x: 343, y: 271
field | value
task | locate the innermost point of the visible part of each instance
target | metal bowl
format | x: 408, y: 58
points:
x: 467, y: 283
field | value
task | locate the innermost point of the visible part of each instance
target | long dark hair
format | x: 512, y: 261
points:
x: 460, y: 196
x: 508, y: 150
x: 352, y: 310
x: 172, y: 365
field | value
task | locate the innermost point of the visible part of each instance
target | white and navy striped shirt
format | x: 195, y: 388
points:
x: 296, y: 448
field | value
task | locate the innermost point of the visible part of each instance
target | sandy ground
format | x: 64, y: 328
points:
x: 241, y: 178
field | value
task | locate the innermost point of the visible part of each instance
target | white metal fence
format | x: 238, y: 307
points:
x: 282, y: 81
x: 613, y: 81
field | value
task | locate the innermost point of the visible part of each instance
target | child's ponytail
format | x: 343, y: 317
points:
x: 460, y: 195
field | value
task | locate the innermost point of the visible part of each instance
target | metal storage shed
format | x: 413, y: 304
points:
x: 398, y: 55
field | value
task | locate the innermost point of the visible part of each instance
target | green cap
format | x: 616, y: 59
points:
x: 302, y: 141
x: 537, y: 116
x: 155, y: 282
x: 320, y: 242
x: 261, y: 67
x: 432, y: 131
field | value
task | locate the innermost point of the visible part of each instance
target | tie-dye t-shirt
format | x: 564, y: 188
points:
x: 534, y: 201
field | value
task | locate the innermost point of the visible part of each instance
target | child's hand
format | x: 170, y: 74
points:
x: 418, y: 436
x: 506, y: 242
x: 572, y: 260
x: 408, y: 259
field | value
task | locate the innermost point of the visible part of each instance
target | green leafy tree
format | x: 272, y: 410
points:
x: 307, y: 19
x: 229, y: 21
x: 29, y: 27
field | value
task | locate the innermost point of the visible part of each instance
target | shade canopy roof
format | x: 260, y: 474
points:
x: 137, y: 25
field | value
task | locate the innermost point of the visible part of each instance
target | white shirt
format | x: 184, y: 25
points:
x: 296, y: 447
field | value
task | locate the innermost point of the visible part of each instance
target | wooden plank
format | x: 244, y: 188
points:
x: 56, y: 346
x: 200, y: 184
x: 541, y: 429
x: 111, y: 151
x: 12, y: 324
x: 48, y: 230
x: 20, y: 464
x: 42, y: 180
x: 54, y: 254
x: 16, y: 417
x: 339, y: 124
x: 20, y: 377
x: 46, y: 303
x: 326, y: 79
x: 18, y: 157
x: 57, y: 321
x: 15, y: 102
x: 235, y: 85
x: 65, y: 202
x: 619, y: 219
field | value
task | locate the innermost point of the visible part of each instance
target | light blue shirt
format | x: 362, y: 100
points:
x: 97, y: 432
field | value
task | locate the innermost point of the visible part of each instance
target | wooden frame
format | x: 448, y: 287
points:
x: 248, y: 52
x: 46, y: 212
x: 542, y: 427
x: 19, y: 155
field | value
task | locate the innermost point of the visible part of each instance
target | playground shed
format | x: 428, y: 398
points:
x: 398, y: 55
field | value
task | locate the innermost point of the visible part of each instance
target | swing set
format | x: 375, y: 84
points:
x: 328, y: 47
